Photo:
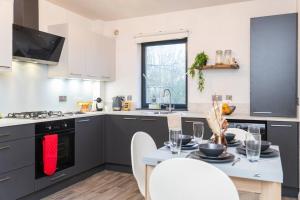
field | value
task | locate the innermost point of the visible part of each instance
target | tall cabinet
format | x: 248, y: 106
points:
x: 274, y: 66
x: 6, y: 20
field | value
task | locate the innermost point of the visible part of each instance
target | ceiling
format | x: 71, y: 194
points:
x: 120, y: 9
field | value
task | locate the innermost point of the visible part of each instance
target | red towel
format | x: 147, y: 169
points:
x: 50, y: 143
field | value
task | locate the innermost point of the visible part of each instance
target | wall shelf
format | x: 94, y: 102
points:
x: 221, y: 66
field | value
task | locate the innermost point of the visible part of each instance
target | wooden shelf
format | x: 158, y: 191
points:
x: 221, y: 66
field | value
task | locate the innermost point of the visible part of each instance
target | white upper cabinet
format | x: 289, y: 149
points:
x: 85, y: 55
x: 6, y: 21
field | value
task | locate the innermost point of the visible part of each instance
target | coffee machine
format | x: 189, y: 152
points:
x: 118, y: 103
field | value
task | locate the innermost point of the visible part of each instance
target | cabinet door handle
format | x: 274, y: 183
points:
x: 282, y: 125
x: 84, y: 120
x: 129, y: 118
x: 5, y: 179
x: 266, y: 112
x: 6, y: 67
x: 93, y: 76
x: 4, y: 147
x: 74, y: 74
x: 191, y: 121
x: 58, y: 177
x: 4, y: 135
x: 105, y: 77
x: 149, y: 119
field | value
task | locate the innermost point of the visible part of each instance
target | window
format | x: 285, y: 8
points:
x: 164, y: 66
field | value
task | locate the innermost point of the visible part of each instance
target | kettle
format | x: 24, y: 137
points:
x: 118, y: 103
x: 99, y: 104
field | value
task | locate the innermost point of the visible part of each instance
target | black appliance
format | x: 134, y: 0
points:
x: 244, y: 124
x: 66, y: 144
x: 35, y: 46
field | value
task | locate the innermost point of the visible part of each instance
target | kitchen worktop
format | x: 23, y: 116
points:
x: 13, y: 122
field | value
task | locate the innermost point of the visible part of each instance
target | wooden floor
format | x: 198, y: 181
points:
x: 109, y: 185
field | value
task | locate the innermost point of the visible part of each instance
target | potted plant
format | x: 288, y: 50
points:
x: 200, y: 61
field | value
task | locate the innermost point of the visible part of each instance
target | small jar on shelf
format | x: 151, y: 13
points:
x: 219, y: 57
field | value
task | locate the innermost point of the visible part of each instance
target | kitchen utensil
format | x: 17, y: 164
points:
x: 253, y: 143
x: 99, y: 104
x: 265, y: 145
x: 274, y: 153
x: 236, y: 161
x: 186, y: 139
x: 118, y: 103
x: 211, y: 149
x: 229, y: 137
x: 196, y: 155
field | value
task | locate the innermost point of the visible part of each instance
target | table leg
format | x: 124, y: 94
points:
x: 270, y: 190
x: 148, y: 171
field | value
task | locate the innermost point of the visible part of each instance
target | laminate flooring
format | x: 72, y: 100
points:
x: 110, y: 185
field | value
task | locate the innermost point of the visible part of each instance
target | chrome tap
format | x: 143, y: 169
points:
x: 170, y: 99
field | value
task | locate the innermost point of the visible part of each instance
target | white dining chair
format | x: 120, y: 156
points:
x: 240, y: 134
x: 141, y: 145
x: 184, y: 178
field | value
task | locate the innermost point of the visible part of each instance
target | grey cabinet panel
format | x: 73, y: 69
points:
x: 274, y: 66
x: 119, y: 131
x: 156, y: 127
x: 88, y: 143
x: 16, y: 132
x: 16, y: 154
x: 16, y: 184
x: 285, y: 134
x: 187, y: 126
x: 46, y: 181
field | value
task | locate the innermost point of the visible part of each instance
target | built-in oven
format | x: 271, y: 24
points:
x: 65, y: 129
x: 244, y: 124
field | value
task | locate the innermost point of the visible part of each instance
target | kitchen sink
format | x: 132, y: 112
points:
x: 158, y: 112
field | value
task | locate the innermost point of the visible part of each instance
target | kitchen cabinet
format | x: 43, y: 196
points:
x: 16, y: 184
x: 6, y: 21
x: 156, y: 127
x: 285, y: 135
x: 85, y: 55
x: 88, y: 143
x: 118, y: 134
x: 273, y: 79
x: 187, y: 126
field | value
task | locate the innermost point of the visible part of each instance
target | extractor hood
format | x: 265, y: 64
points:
x: 30, y: 44
x: 35, y: 46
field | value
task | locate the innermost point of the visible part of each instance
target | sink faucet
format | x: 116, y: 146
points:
x: 170, y: 99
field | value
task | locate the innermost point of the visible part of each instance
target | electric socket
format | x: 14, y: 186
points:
x: 62, y: 99
x: 217, y: 97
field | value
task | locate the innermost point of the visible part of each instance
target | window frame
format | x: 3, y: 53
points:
x: 143, y: 71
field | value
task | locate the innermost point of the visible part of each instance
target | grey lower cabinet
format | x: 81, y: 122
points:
x: 17, y: 183
x: 273, y: 76
x: 89, y: 145
x: 16, y: 161
x: 285, y: 135
x: 187, y: 126
x: 118, y: 134
x: 157, y: 127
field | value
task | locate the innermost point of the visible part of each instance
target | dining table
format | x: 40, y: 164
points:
x: 263, y: 177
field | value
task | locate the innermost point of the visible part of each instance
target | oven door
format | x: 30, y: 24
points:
x: 65, y: 154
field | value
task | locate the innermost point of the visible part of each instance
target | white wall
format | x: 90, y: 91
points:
x: 28, y: 87
x: 212, y: 28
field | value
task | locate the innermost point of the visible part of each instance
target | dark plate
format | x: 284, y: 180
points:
x: 223, y: 156
x: 235, y: 143
x: 267, y: 151
x: 273, y: 154
x: 190, y: 146
x: 229, y: 158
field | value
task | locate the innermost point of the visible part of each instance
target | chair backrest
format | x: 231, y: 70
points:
x: 174, y: 121
x: 240, y: 134
x: 141, y: 145
x: 184, y: 178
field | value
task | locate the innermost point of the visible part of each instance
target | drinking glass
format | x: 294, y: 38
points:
x: 175, y: 140
x: 198, y: 129
x: 253, y: 143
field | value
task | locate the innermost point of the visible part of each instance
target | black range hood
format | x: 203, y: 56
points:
x: 30, y: 44
x: 36, y: 46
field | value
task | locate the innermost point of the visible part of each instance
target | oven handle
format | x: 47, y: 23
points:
x: 58, y: 177
x: 58, y: 133
x: 83, y: 120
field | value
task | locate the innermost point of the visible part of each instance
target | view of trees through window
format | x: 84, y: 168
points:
x: 165, y: 68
